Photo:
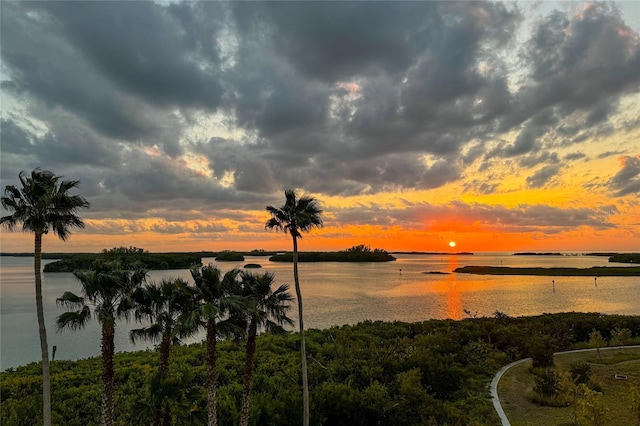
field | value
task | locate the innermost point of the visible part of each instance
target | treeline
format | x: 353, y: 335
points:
x: 373, y: 373
x: 360, y: 253
x: 596, y: 271
x: 70, y: 262
x: 128, y: 256
x: 435, y: 253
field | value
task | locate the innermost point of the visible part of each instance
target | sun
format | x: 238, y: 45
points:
x: 452, y: 244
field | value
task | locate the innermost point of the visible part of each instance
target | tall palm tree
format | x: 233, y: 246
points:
x: 263, y: 308
x: 41, y: 204
x: 294, y: 217
x: 211, y: 303
x: 162, y: 305
x: 109, y: 290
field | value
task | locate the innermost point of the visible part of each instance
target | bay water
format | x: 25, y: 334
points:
x: 336, y: 293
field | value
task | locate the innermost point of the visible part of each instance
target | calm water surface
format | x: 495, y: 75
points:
x: 336, y: 294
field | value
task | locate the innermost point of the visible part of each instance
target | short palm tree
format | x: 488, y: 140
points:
x: 263, y: 308
x: 161, y: 305
x: 294, y: 217
x: 212, y: 300
x: 42, y: 204
x: 109, y: 290
x: 169, y: 395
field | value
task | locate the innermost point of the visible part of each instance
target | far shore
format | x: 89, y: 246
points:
x: 596, y: 271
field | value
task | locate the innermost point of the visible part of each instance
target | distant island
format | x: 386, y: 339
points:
x: 229, y: 256
x: 596, y: 271
x: 526, y: 253
x: 434, y: 253
x: 69, y: 262
x: 619, y: 257
x: 359, y: 253
x: 613, y: 257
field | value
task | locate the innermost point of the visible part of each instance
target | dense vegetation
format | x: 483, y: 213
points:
x: 527, y: 253
x: 359, y: 253
x: 625, y: 258
x: 596, y: 271
x: 619, y: 257
x: 373, y: 373
x: 230, y: 256
x: 127, y: 255
x: 435, y: 253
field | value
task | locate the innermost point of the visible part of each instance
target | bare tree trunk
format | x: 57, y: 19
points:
x: 165, y: 347
x: 303, y: 349
x: 42, y: 330
x: 212, y: 374
x: 248, y: 373
x: 108, y: 374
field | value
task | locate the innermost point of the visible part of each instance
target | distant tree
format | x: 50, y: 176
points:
x: 263, y: 308
x: 109, y: 290
x: 547, y: 383
x: 620, y: 337
x: 580, y: 372
x: 294, y: 217
x: 42, y: 204
x: 633, y: 399
x: 597, y: 341
x: 591, y: 409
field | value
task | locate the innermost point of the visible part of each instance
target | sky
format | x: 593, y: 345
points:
x: 500, y: 126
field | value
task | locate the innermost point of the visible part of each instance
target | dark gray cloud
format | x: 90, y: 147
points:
x: 339, y: 98
x: 627, y: 180
x: 543, y: 176
x: 166, y: 55
x: 575, y: 156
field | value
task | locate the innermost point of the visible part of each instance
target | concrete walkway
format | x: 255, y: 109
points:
x: 494, y: 383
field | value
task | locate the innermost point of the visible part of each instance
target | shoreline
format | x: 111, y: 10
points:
x: 595, y: 271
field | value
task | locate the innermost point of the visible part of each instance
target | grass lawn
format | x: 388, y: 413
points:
x: 516, y: 386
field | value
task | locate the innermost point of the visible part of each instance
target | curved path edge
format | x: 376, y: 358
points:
x: 496, y: 379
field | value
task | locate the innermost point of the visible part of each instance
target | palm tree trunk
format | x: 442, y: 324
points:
x: 248, y: 373
x: 108, y: 373
x: 44, y: 347
x: 212, y: 374
x: 303, y: 349
x: 165, y: 346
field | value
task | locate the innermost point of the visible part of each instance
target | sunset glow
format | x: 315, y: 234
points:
x: 195, y: 122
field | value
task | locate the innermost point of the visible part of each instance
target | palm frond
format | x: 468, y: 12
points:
x: 74, y: 320
x: 70, y: 301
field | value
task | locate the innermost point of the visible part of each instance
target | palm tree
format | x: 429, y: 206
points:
x: 211, y: 302
x: 109, y: 290
x: 265, y: 309
x: 295, y: 216
x: 43, y: 204
x: 169, y: 395
x: 162, y: 305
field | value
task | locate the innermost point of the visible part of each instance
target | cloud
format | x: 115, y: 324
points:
x: 543, y: 176
x: 478, y: 217
x: 627, y: 180
x: 345, y: 98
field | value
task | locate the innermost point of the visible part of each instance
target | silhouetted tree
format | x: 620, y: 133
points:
x: 294, y: 217
x: 42, y: 204
x: 262, y: 308
x: 162, y: 305
x: 212, y: 300
x: 109, y: 290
